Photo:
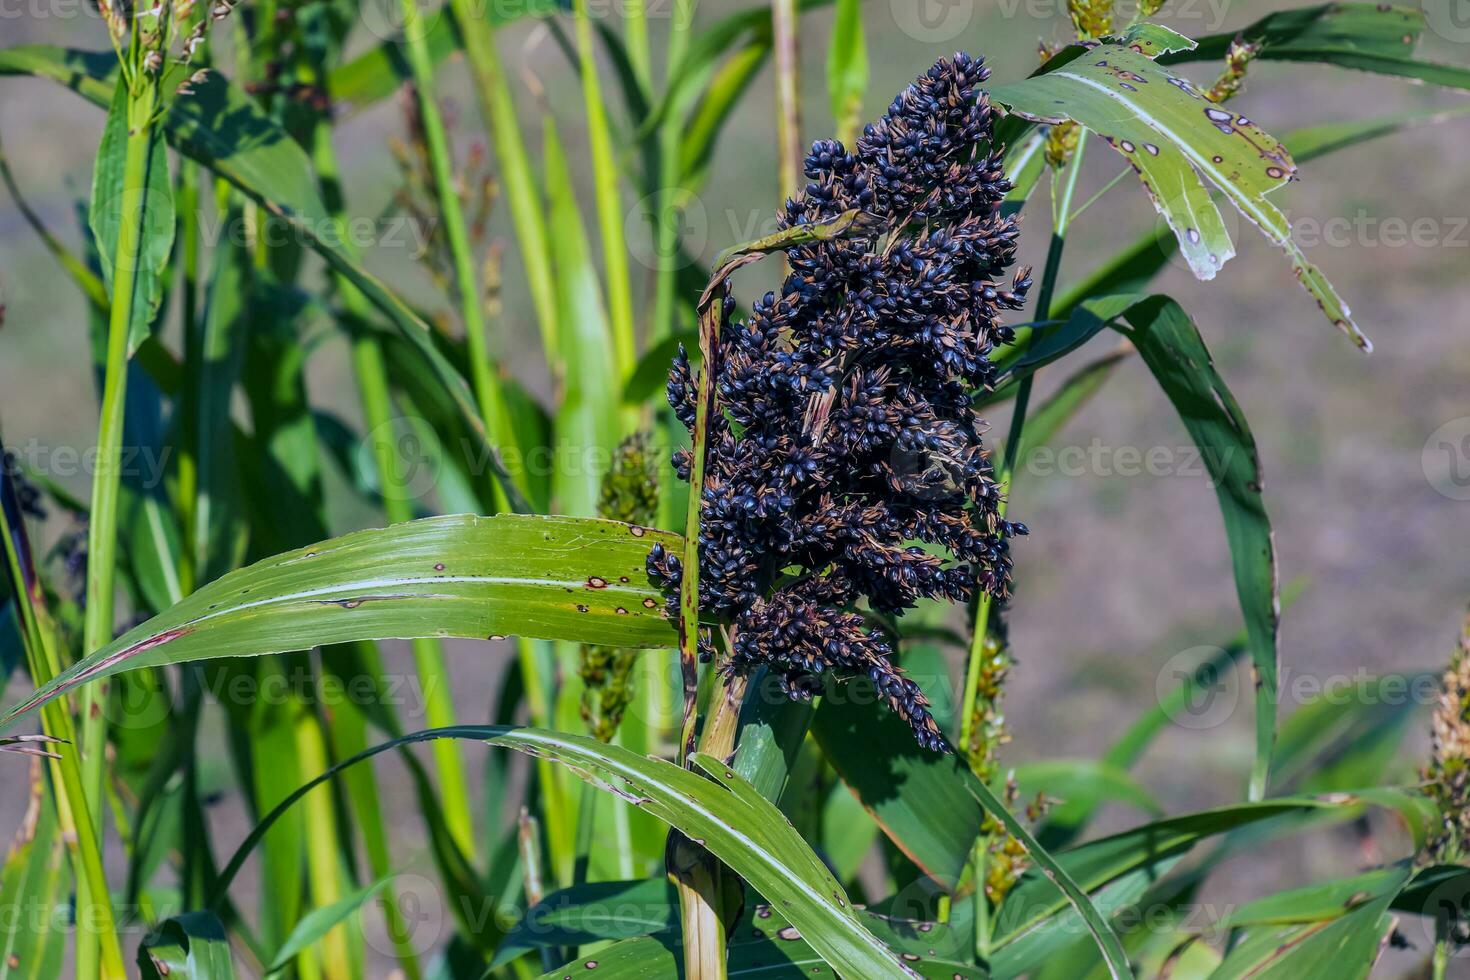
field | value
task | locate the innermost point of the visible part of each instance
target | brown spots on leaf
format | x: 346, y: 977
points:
x: 650, y: 603
x: 496, y: 636
x: 1127, y: 146
x: 596, y: 582
x: 439, y: 567
x: 621, y: 611
x: 1153, y: 150
x: 581, y: 608
x: 788, y: 933
x: 1275, y: 173
x: 637, y: 531
x: 1193, y: 235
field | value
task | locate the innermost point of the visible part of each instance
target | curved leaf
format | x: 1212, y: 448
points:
x: 465, y: 576
x: 722, y: 813
x: 1171, y: 135
x: 1171, y: 346
x: 1375, y: 37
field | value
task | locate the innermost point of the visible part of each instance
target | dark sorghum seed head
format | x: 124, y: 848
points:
x: 842, y: 437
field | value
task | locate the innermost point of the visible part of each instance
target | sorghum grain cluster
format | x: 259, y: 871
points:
x: 1448, y: 775
x: 844, y: 460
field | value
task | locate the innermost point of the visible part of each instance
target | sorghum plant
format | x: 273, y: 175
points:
x: 845, y: 439
x: 849, y: 521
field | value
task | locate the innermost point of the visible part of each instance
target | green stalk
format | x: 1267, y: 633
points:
x: 190, y: 556
x: 106, y: 477
x: 98, y: 952
x: 635, y: 38
x: 322, y: 864
x: 428, y: 657
x: 671, y: 186
x: 516, y: 171
x: 661, y: 695
x: 1064, y: 186
x: 788, y: 96
x: 696, y: 873
x: 609, y: 205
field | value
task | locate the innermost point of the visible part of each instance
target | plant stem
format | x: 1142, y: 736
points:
x: 609, y: 205
x: 635, y: 38
x: 97, y: 623
x: 1061, y: 207
x: 322, y: 862
x: 98, y: 952
x: 671, y: 186
x: 788, y: 96
x: 521, y: 191
x: 697, y: 874
x: 491, y: 400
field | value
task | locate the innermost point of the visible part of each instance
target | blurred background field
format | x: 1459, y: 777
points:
x: 1121, y: 572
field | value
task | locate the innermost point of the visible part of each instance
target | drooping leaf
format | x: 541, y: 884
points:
x: 1171, y: 346
x: 1172, y: 135
x: 558, y: 578
x: 718, y: 809
x: 1134, y: 267
x: 1375, y: 37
